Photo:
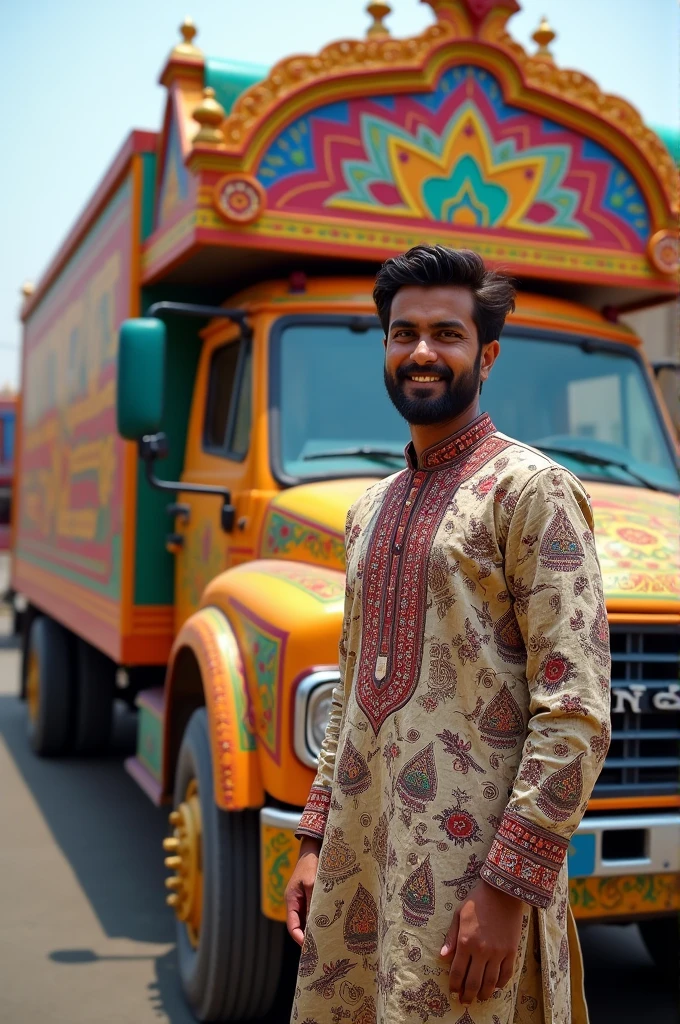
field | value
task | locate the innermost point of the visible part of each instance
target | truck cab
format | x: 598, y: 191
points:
x: 203, y: 402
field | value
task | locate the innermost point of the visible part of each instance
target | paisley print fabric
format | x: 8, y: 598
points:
x: 466, y: 734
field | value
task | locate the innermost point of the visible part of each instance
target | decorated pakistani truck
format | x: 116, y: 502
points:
x: 202, y: 402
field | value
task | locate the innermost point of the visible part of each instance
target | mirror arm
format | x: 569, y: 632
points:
x: 155, y: 446
x: 239, y: 316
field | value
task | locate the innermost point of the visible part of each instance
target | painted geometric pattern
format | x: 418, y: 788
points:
x: 624, y: 895
x: 638, y: 545
x: 264, y: 649
x: 286, y: 535
x: 459, y: 155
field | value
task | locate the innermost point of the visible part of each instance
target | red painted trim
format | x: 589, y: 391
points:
x: 136, y: 142
x: 74, y: 617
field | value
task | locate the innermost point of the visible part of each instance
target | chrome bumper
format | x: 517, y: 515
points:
x: 661, y: 842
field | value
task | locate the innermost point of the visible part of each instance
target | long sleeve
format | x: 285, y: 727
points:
x: 554, y: 578
x: 315, y: 814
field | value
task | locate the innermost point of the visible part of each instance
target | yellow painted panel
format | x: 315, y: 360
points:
x: 624, y: 896
x: 279, y: 853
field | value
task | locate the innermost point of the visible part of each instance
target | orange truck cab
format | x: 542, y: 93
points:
x: 202, y: 402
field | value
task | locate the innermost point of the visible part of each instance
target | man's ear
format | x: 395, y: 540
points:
x: 490, y: 354
x: 385, y: 342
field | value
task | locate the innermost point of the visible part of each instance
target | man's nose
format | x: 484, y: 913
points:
x: 423, y: 353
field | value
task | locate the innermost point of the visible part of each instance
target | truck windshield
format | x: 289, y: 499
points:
x: 587, y: 405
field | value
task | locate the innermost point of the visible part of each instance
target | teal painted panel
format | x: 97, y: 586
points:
x: 581, y: 855
x: 150, y: 742
x: 154, y: 566
x: 230, y: 78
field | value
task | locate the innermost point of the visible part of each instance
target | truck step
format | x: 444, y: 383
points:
x: 147, y: 767
x: 144, y: 778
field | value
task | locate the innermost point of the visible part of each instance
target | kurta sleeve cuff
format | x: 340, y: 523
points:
x: 315, y: 814
x: 524, y: 860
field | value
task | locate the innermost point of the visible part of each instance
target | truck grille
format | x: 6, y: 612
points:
x: 644, y: 756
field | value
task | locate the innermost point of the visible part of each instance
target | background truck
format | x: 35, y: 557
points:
x: 236, y: 247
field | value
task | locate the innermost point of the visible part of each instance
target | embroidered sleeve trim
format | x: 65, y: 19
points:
x: 524, y: 860
x: 315, y: 814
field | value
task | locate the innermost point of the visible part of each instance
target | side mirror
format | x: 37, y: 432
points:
x: 141, y: 377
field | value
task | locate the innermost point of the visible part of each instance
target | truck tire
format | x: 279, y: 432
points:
x: 95, y: 688
x: 230, y: 962
x: 49, y: 687
x: 661, y: 936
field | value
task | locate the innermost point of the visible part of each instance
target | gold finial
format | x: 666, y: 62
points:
x: 543, y: 36
x: 186, y: 48
x: 27, y: 289
x: 210, y: 116
x: 378, y: 11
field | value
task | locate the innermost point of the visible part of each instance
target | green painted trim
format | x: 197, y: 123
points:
x: 150, y: 741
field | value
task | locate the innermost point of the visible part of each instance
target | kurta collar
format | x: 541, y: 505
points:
x: 450, y: 448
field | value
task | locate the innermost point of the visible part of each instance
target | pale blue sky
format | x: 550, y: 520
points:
x: 78, y: 75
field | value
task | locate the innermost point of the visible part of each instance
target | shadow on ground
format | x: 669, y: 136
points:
x: 103, y: 822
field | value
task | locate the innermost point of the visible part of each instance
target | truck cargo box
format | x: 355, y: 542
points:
x: 86, y: 551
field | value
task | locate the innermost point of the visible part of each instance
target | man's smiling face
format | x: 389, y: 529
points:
x: 434, y: 364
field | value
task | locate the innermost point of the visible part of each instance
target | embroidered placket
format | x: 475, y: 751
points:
x: 397, y: 548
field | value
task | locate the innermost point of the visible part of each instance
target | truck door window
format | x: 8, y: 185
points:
x: 228, y: 410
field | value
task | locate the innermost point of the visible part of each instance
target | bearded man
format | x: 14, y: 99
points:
x: 472, y: 714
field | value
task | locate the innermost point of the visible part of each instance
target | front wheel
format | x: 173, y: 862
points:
x: 229, y: 954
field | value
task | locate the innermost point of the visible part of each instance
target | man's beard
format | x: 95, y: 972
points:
x: 457, y: 396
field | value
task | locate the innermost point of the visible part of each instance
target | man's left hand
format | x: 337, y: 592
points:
x: 482, y: 942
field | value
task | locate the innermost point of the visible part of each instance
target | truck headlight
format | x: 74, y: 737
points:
x: 313, y: 699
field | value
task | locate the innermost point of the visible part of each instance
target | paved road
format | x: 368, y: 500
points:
x: 84, y: 934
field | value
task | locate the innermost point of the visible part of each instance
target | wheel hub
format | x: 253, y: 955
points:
x: 33, y: 686
x: 186, y: 860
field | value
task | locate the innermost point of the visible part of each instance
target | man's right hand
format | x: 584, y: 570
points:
x: 299, y: 889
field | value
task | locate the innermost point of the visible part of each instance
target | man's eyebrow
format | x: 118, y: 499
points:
x: 449, y: 323
x: 402, y: 323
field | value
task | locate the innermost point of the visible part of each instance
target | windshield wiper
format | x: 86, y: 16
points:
x: 369, y: 453
x: 597, y: 460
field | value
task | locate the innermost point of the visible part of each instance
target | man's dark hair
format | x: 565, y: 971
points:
x: 431, y: 265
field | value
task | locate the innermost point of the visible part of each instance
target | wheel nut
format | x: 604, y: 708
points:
x: 172, y: 900
x: 171, y: 844
x: 174, y: 818
x: 173, y: 882
x: 173, y: 863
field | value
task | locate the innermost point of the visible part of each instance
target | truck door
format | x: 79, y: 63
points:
x: 218, y: 452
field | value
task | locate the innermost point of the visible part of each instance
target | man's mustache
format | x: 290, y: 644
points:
x: 414, y: 370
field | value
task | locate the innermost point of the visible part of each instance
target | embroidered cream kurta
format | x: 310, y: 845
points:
x: 467, y: 731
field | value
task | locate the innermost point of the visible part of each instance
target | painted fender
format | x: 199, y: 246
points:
x: 208, y: 636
